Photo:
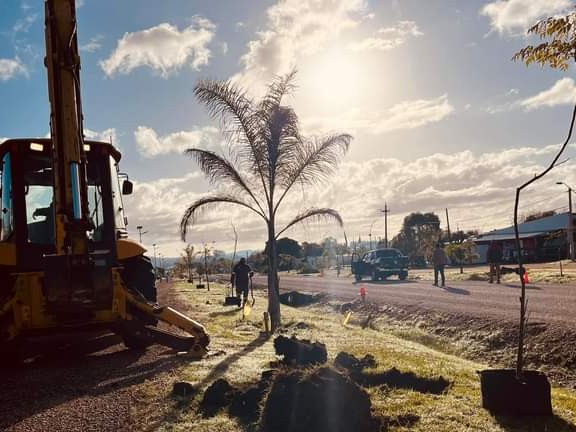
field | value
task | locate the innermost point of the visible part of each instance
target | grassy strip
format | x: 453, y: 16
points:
x: 245, y: 354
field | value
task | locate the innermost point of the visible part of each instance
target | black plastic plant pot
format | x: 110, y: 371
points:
x: 504, y: 394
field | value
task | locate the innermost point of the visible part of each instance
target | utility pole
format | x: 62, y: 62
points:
x: 385, y: 211
x: 570, y: 227
x: 448, y: 224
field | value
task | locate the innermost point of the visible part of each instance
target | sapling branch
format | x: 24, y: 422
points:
x: 523, y: 301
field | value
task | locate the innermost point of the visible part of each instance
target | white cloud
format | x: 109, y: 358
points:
x: 150, y: 144
x: 11, y: 68
x: 516, y: 16
x: 478, y: 189
x: 107, y: 135
x: 404, y: 115
x: 388, y: 38
x: 296, y: 29
x: 93, y: 44
x: 163, y: 48
x: 563, y: 92
x: 24, y: 24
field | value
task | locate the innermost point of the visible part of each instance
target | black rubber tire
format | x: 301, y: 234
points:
x: 375, y: 276
x: 139, y: 276
x: 358, y: 277
x: 403, y: 276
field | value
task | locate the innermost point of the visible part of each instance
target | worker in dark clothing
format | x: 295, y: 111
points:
x: 494, y: 256
x: 241, y: 274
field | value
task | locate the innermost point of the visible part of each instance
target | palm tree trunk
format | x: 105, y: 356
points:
x: 273, y: 285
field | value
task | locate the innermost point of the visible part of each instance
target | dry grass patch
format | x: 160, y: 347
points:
x: 240, y: 353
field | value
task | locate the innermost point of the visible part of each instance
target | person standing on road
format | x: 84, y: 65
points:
x: 439, y: 260
x: 241, y: 274
x: 494, y: 256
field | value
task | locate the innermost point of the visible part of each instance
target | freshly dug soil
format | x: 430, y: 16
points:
x: 219, y: 395
x: 402, y: 380
x: 324, y: 400
x: 298, y: 299
x: 351, y: 363
x: 246, y: 403
x: 300, y: 352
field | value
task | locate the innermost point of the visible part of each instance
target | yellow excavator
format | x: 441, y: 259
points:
x: 66, y: 262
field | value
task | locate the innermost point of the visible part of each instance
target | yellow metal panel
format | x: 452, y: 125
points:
x: 129, y: 248
x: 7, y: 254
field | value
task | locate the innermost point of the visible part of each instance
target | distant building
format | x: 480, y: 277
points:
x: 541, y: 240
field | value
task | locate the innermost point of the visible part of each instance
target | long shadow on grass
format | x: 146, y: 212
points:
x: 402, y: 380
x: 535, y: 424
x: 225, y: 364
x: 228, y: 312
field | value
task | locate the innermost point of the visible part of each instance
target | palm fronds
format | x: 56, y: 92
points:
x: 317, y: 214
x: 217, y: 169
x: 191, y: 213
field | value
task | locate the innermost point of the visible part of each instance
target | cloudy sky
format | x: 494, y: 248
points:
x: 441, y: 117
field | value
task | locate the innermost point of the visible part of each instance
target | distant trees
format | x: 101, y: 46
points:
x: 418, y: 235
x: 462, y: 253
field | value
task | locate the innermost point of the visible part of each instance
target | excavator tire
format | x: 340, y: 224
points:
x: 139, y: 276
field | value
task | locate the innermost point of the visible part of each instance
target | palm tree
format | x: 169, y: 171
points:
x: 267, y: 157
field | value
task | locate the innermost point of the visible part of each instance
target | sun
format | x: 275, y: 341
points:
x: 331, y: 81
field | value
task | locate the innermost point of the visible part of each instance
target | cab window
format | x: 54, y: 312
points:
x: 6, y: 217
x: 39, y: 195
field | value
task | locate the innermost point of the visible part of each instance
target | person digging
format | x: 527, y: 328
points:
x: 241, y: 275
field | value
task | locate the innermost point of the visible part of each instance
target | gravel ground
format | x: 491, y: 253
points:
x: 87, y: 382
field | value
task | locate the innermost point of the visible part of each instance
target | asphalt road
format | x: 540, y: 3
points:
x: 546, y: 302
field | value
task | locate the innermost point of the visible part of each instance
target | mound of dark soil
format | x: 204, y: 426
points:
x: 219, y: 395
x: 402, y: 380
x: 324, y: 400
x: 351, y: 363
x: 300, y: 352
x: 298, y: 299
x: 246, y: 404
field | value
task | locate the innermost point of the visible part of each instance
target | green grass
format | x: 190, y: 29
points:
x: 245, y: 356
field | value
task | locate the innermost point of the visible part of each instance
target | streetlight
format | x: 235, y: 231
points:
x: 154, y: 246
x: 570, y: 228
x: 140, y: 233
x: 370, y: 233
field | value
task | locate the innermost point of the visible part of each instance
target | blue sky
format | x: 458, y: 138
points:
x: 440, y: 115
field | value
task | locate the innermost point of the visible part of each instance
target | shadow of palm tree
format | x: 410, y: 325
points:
x: 225, y: 364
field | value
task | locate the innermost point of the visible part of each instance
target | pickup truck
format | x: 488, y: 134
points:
x: 380, y: 264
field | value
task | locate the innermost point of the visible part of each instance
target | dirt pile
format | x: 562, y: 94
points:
x: 402, y: 380
x: 219, y: 395
x: 349, y: 362
x: 323, y: 400
x: 246, y: 403
x: 298, y: 299
x: 242, y: 403
x: 300, y: 352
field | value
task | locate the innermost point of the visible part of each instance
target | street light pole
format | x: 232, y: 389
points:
x: 570, y: 228
x: 140, y: 233
x: 155, y: 262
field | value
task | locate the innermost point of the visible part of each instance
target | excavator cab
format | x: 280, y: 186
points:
x: 27, y: 197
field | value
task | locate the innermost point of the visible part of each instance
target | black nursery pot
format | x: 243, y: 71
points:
x: 504, y: 394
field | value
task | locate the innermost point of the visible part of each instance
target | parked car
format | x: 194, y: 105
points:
x: 380, y: 264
